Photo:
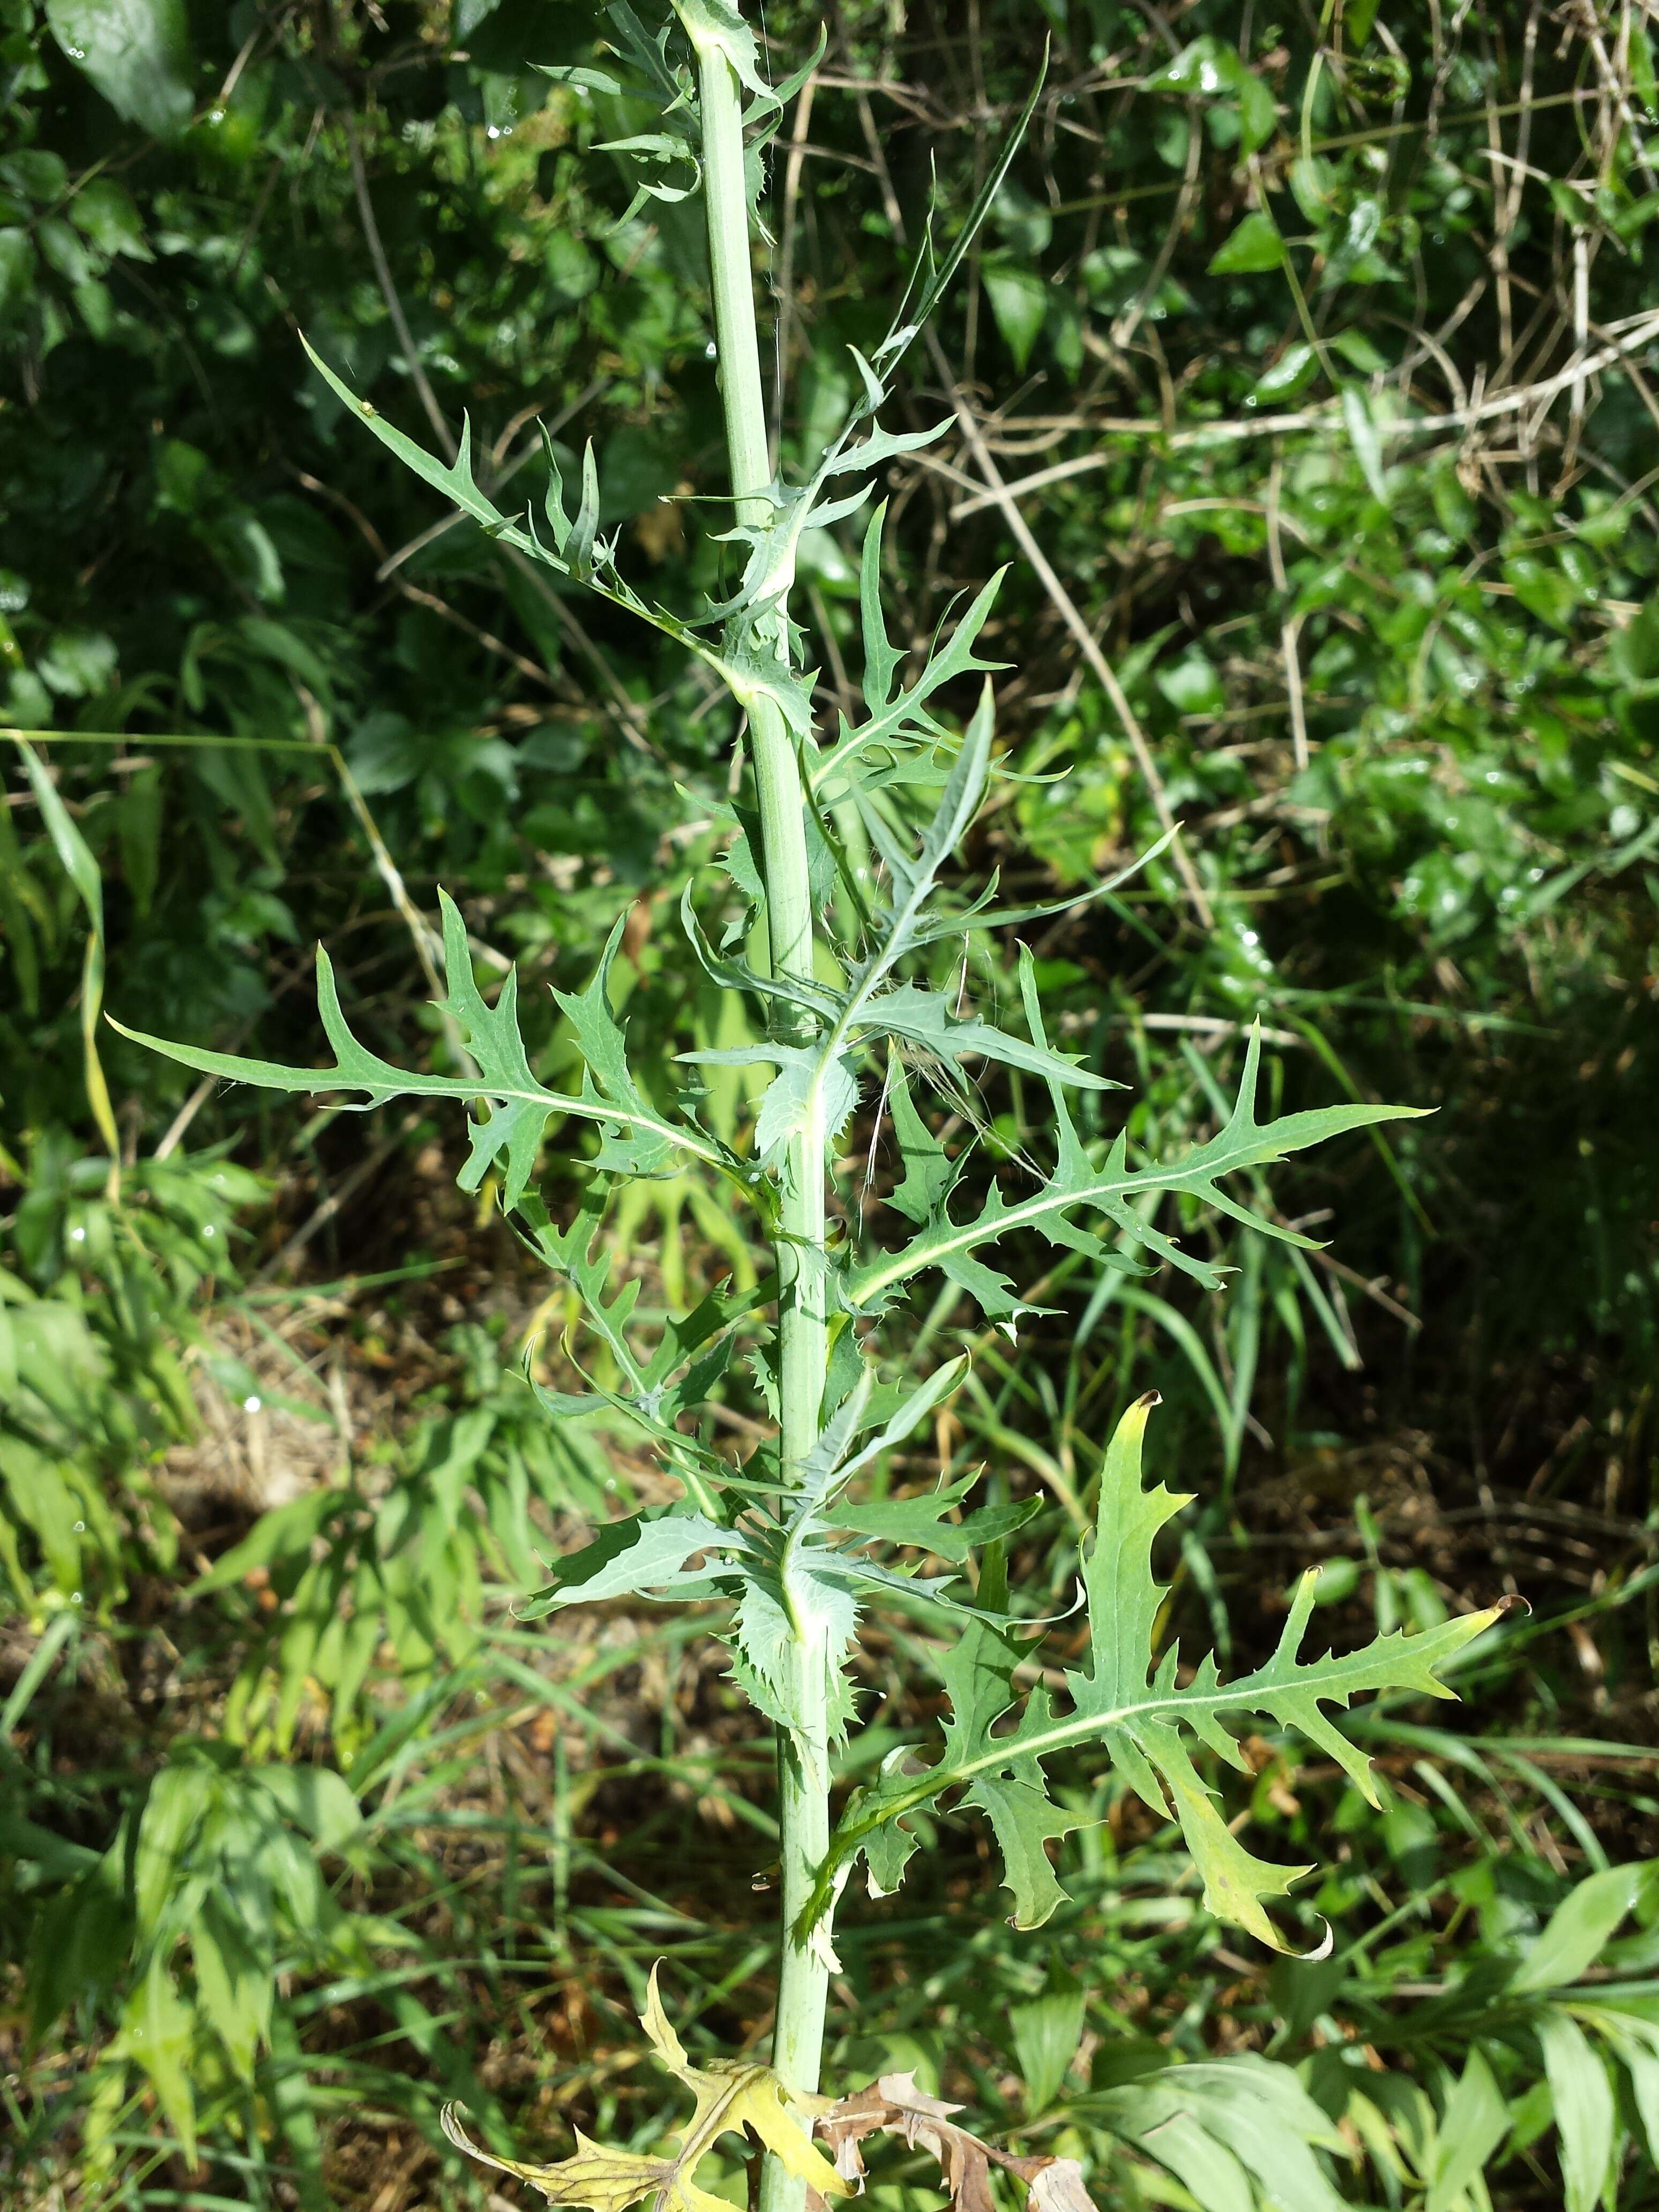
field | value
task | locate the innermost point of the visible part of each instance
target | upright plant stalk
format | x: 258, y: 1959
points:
x: 798, y: 1568
x: 804, y: 1763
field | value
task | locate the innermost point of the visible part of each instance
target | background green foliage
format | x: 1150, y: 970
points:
x: 302, y: 1832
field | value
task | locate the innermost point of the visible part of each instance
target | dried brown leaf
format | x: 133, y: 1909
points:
x: 895, y: 2106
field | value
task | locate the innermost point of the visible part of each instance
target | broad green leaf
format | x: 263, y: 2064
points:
x: 1543, y: 588
x: 137, y: 53
x: 1366, y: 437
x: 1018, y: 294
x: 1585, y: 2115
x: 1046, y: 2032
x: 1254, y: 246
x: 1289, y: 376
x: 180, y: 1799
x: 1211, y: 69
x: 1579, y: 1928
x: 236, y: 1985
x: 1208, y: 2169
x: 158, y: 2033
x: 1476, y: 2121
x: 1256, y: 2113
x: 1633, y: 650
x: 315, y: 1799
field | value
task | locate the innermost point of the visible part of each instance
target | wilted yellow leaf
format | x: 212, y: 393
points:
x: 731, y: 2096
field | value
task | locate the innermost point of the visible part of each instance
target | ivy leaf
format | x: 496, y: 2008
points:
x: 731, y: 2096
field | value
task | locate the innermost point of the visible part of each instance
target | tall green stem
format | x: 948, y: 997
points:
x: 804, y: 1764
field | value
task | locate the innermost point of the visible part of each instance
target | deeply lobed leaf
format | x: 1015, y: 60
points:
x: 1130, y: 1703
x: 517, y: 1108
x: 731, y: 2096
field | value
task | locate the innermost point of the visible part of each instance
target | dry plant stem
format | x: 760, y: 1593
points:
x: 803, y: 1760
x: 394, y: 305
x: 999, y: 495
